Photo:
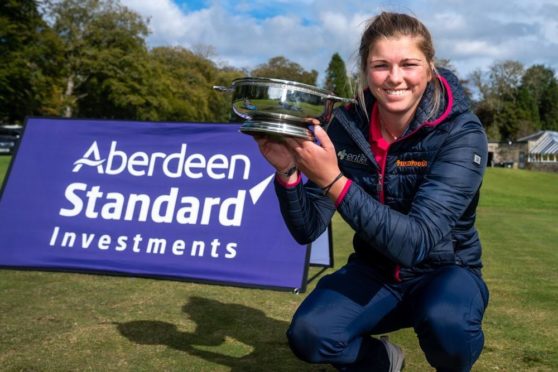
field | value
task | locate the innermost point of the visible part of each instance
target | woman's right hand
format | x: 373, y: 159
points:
x: 276, y: 152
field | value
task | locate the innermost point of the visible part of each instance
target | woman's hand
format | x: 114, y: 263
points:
x: 276, y: 152
x: 317, y: 160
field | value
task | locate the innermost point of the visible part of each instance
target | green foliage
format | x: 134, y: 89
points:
x: 187, y: 81
x: 528, y: 120
x: 282, y: 68
x: 29, y: 62
x: 486, y: 113
x: 105, y: 59
x: 549, y: 106
x: 515, y: 102
x: 93, y: 62
x: 541, y: 85
x: 536, y: 80
x: 337, y: 80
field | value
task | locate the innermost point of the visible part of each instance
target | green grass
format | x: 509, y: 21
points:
x: 63, y: 321
x: 517, y: 220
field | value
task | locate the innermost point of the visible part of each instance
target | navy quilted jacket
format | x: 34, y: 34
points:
x: 420, y: 213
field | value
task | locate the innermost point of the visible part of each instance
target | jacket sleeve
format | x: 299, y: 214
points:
x: 453, y: 180
x: 307, y: 213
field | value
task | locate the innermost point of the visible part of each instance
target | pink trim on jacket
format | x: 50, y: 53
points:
x: 449, y: 106
x: 289, y: 185
x: 343, y: 193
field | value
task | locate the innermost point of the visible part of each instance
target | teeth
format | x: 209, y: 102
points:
x: 399, y: 92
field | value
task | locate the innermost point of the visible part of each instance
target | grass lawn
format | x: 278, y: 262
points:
x: 64, y: 321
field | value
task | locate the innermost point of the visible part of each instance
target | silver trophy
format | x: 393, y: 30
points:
x: 280, y: 107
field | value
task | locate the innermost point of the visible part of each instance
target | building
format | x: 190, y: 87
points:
x: 543, y: 150
x: 507, y: 154
x: 538, y: 151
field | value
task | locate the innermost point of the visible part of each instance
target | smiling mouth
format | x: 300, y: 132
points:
x: 396, y: 92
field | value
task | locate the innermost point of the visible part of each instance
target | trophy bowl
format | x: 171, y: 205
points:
x: 280, y: 107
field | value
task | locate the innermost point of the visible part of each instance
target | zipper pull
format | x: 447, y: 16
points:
x: 380, y: 185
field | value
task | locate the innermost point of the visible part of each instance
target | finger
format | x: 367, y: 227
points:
x: 322, y: 137
x: 312, y: 121
x: 293, y: 142
x: 315, y: 139
x: 261, y: 142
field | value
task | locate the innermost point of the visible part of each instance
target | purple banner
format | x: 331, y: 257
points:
x: 175, y: 200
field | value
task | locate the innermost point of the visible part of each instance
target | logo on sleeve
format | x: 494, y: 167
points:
x: 477, y: 159
x: 353, y: 158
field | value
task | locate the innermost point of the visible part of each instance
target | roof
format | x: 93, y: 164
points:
x: 546, y: 144
x: 532, y: 137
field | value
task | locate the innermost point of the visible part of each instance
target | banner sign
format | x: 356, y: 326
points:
x: 177, y: 200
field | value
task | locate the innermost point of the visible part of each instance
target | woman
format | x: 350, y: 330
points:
x: 403, y: 167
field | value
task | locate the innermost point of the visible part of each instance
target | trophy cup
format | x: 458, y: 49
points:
x: 280, y: 107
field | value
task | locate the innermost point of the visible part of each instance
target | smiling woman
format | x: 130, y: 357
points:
x: 397, y: 76
x: 403, y: 167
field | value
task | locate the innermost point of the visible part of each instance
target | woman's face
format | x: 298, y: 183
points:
x: 398, y: 73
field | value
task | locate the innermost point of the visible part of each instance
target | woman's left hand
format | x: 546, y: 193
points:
x: 317, y: 160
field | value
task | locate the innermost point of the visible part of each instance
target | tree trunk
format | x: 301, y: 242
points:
x: 68, y: 97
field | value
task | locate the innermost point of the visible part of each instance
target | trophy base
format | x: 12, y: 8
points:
x: 275, y: 129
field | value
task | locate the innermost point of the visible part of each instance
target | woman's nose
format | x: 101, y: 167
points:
x: 395, y: 75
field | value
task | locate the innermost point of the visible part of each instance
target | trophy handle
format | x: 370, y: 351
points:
x: 341, y: 99
x: 221, y: 88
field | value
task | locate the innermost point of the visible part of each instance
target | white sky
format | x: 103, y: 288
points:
x: 473, y: 34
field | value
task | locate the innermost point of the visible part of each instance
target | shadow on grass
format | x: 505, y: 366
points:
x: 232, y: 335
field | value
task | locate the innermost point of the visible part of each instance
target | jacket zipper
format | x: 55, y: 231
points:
x: 381, y: 196
x: 381, y: 176
x: 380, y: 186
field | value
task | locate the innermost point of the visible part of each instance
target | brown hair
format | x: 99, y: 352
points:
x: 387, y: 25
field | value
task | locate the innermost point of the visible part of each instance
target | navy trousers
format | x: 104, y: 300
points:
x: 335, y: 322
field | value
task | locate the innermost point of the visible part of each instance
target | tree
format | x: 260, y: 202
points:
x: 337, y: 80
x: 541, y: 84
x: 187, y: 83
x: 528, y: 113
x: 29, y: 62
x: 484, y: 109
x: 505, y: 78
x: 499, y: 95
x: 281, y: 68
x: 188, y: 80
x: 219, y: 103
x: 537, y: 80
x: 549, y: 107
x: 105, y: 58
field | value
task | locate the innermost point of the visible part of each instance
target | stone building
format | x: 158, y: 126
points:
x: 538, y: 151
